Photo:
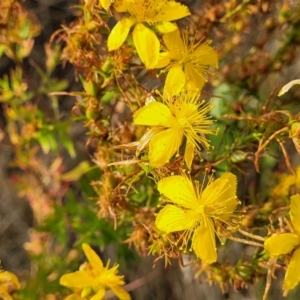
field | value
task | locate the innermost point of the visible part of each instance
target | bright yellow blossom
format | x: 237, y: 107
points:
x: 171, y: 121
x: 94, y: 278
x: 284, y: 243
x: 145, y: 13
x: 286, y: 182
x: 105, y: 3
x: 9, y: 282
x: 195, y: 210
x: 187, y: 62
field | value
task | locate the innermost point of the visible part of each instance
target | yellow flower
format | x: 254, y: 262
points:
x: 187, y: 62
x: 195, y: 210
x: 9, y: 282
x: 93, y: 277
x: 284, y: 243
x: 286, y: 182
x: 105, y: 3
x: 144, y: 13
x: 181, y: 116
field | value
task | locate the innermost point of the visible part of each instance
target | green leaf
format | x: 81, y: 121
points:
x: 77, y: 172
x: 67, y: 142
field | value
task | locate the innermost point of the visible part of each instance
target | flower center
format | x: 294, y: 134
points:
x: 201, y: 209
x: 183, y: 122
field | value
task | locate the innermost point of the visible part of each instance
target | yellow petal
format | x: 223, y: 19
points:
x: 195, y: 78
x: 6, y: 276
x: 87, y: 291
x: 295, y: 212
x: 219, y: 197
x: 154, y: 114
x: 4, y: 294
x: 106, y: 3
x: 292, y: 275
x: 173, y: 42
x: 206, y: 55
x: 202, y: 58
x: 179, y: 190
x: 163, y: 60
x: 78, y: 279
x: 172, y: 218
x: 147, y: 45
x: 189, y: 153
x: 175, y: 81
x: 281, y: 243
x: 99, y: 295
x: 286, y: 181
x: 92, y: 257
x: 165, y: 27
x: 120, y: 292
x: 204, y: 241
x: 145, y: 139
x: 171, y: 11
x: 119, y: 34
x: 163, y: 146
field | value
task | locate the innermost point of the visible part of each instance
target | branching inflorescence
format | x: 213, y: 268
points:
x: 169, y: 140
